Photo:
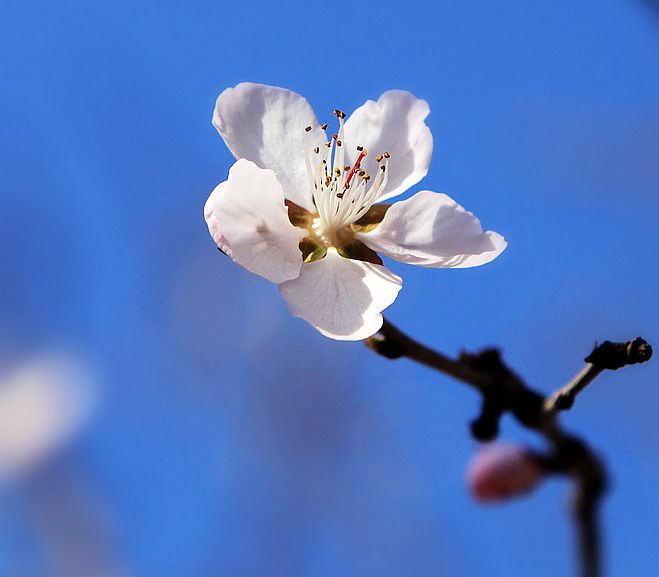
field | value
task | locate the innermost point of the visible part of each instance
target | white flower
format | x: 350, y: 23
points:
x: 44, y: 403
x: 299, y: 208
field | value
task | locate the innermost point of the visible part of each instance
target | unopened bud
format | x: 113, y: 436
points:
x: 499, y: 472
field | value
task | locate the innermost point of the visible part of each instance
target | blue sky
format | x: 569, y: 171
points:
x: 232, y: 439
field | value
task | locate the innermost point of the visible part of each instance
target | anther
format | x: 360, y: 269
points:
x: 387, y: 155
x: 324, y: 126
x: 337, y: 171
x: 317, y: 149
x: 339, y: 113
x: 378, y: 157
x: 307, y: 129
x: 383, y: 168
x: 339, y: 143
x: 339, y: 194
x: 360, y: 148
x: 335, y: 136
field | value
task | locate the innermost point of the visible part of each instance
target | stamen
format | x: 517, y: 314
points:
x: 339, y: 197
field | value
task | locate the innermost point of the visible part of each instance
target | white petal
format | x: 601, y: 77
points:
x: 265, y: 124
x: 432, y: 230
x: 341, y: 297
x: 211, y: 219
x: 395, y: 124
x: 248, y: 220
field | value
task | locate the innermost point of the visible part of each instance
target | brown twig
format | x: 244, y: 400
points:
x: 609, y: 356
x: 504, y: 391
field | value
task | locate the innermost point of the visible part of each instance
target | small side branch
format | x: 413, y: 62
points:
x: 607, y: 356
x: 564, y: 398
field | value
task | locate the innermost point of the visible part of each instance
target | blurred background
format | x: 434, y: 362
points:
x: 161, y: 413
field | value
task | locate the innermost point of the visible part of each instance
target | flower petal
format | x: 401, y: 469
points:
x: 340, y: 297
x: 212, y: 222
x: 395, y: 124
x: 248, y: 220
x: 266, y: 125
x: 432, y: 230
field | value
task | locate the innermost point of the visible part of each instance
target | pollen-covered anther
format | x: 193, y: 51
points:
x: 379, y: 158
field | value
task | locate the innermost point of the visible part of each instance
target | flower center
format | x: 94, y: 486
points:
x: 342, y: 193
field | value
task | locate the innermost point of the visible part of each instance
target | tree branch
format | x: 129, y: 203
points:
x: 504, y: 391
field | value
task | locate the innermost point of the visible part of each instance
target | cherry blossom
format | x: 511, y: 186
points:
x: 304, y: 208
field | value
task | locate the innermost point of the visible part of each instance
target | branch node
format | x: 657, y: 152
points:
x: 485, y: 427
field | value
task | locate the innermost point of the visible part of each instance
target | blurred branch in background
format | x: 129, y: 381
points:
x: 504, y: 391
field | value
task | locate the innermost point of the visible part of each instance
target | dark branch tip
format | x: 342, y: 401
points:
x: 639, y: 350
x: 614, y: 356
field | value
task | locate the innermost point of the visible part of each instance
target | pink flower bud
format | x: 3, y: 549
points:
x: 498, y: 472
